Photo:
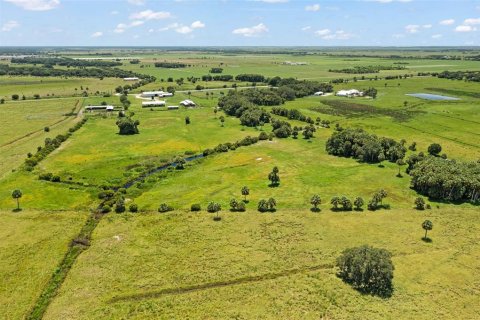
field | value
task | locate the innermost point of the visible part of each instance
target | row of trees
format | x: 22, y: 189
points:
x: 100, y: 73
x: 366, y: 147
x: 170, y: 65
x: 460, y: 75
x: 49, y: 146
x: 366, y: 69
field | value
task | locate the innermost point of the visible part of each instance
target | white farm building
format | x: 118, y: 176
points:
x: 131, y: 79
x: 349, y: 93
x: 153, y: 103
x: 106, y: 107
x: 188, y: 103
x: 161, y: 94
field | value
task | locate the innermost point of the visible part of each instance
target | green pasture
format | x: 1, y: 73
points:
x: 23, y: 127
x: 48, y: 87
x: 32, y: 243
x: 270, y: 266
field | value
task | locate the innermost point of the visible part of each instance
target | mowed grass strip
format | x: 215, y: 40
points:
x: 32, y: 243
x: 252, y: 265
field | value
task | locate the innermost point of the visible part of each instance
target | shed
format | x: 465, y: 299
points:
x: 172, y: 107
x: 153, y: 103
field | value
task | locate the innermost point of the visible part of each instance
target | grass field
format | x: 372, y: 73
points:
x: 271, y: 266
x: 249, y: 265
x: 32, y: 243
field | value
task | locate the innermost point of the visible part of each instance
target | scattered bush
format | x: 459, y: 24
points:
x: 195, y: 207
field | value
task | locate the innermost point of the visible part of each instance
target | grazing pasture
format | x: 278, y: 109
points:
x: 248, y: 264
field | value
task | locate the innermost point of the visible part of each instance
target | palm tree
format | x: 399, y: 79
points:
x: 335, y: 202
x: 245, y: 192
x: 315, y: 201
x: 427, y: 225
x: 272, y: 204
x: 17, y: 194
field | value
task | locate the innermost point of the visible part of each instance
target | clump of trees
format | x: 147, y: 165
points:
x: 214, y: 207
x: 363, y: 146
x: 377, y: 201
x: 367, y: 269
x: 274, y: 177
x: 250, y: 78
x: 216, y: 70
x: 447, y: 180
x: 269, y: 205
x: 237, y: 206
x: 127, y: 126
x: 366, y: 69
x: 170, y: 65
x: 164, y: 208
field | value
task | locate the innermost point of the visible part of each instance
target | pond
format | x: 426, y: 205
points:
x: 429, y: 96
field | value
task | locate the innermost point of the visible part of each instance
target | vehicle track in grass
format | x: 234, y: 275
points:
x: 77, y: 109
x: 219, y: 284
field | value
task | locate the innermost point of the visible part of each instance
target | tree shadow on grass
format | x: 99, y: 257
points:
x: 274, y: 185
x: 17, y: 210
x: 315, y: 209
x: 427, y: 240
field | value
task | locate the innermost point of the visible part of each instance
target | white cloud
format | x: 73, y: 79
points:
x: 465, y: 29
x: 471, y: 21
x: 251, y: 31
x: 437, y: 36
x: 197, y: 25
x: 136, y: 23
x: 323, y: 32
x: 121, y: 27
x: 338, y: 35
x: 10, y: 25
x: 412, y: 28
x: 313, y: 7
x: 150, y: 15
x: 137, y: 2
x: 306, y: 28
x: 327, y: 34
x: 97, y: 34
x: 447, y: 22
x: 36, y: 5
x: 183, y: 29
x: 427, y: 26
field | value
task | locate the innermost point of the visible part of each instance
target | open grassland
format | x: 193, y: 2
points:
x: 23, y: 127
x: 248, y: 265
x: 48, y: 87
x: 271, y: 266
x: 32, y: 243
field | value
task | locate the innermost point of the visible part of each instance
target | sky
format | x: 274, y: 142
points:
x: 239, y: 23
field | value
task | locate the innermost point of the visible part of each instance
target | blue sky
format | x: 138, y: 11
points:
x: 239, y: 23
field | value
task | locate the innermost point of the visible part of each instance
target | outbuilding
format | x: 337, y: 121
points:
x: 105, y: 107
x: 131, y: 79
x: 188, y: 103
x: 161, y: 94
x: 153, y: 103
x: 172, y: 107
x: 318, y: 93
x: 349, y: 93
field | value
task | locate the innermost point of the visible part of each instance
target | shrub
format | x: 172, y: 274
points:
x: 45, y: 176
x: 56, y: 179
x: 164, y: 208
x: 367, y: 269
x: 120, y: 206
x: 106, y: 209
x: 419, y: 203
x: 195, y: 207
x: 133, y: 207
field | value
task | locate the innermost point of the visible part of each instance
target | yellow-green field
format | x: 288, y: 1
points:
x: 32, y: 243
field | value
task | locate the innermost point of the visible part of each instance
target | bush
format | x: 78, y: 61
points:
x: 133, y: 208
x: 120, y: 206
x: 45, y: 176
x: 164, y: 208
x: 195, y: 207
x: 56, y: 179
x: 367, y: 269
x: 106, y: 209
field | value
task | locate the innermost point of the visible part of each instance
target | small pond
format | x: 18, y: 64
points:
x: 429, y: 96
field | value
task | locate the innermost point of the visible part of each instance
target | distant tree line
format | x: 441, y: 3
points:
x: 358, y: 144
x: 49, y: 62
x: 81, y: 73
x: 220, y: 77
x: 366, y: 69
